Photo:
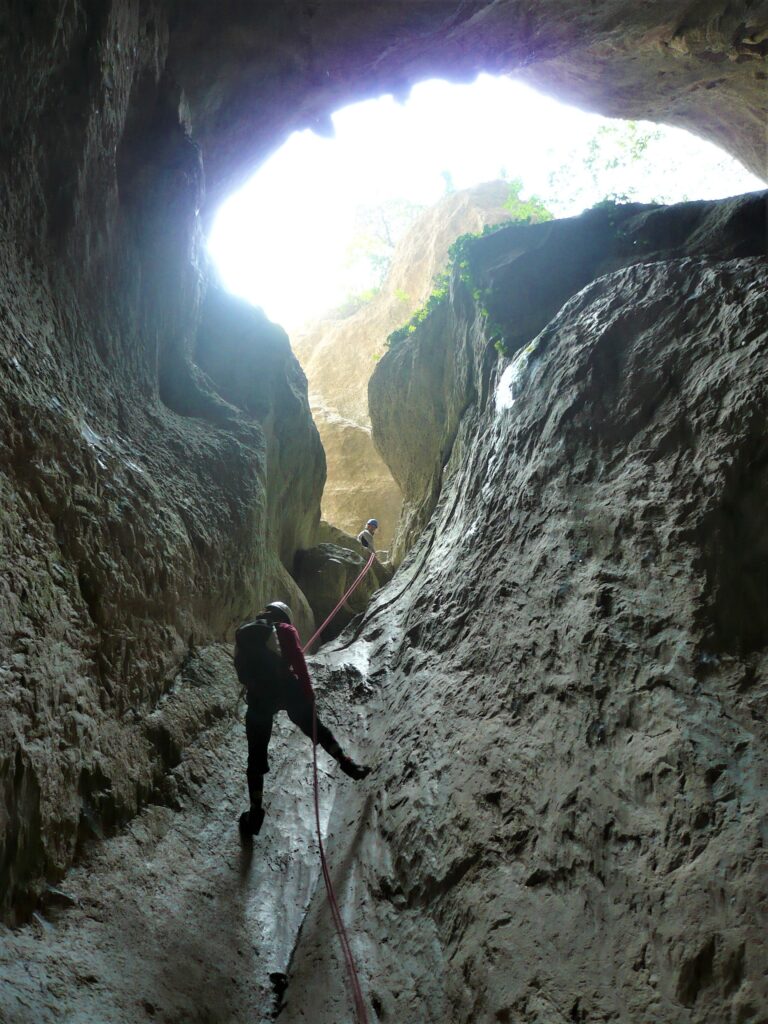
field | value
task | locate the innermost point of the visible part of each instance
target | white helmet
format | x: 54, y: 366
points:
x: 282, y: 610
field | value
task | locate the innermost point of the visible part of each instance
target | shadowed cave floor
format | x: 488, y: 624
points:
x: 175, y: 920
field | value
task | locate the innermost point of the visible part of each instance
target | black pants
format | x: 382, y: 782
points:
x: 262, y: 708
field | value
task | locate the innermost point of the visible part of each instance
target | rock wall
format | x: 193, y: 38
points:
x: 418, y: 393
x: 140, y: 518
x: 339, y: 357
x: 253, y: 73
x: 149, y: 500
x: 171, y: 919
x: 570, y: 666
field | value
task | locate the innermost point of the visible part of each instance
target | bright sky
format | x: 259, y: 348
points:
x: 282, y: 240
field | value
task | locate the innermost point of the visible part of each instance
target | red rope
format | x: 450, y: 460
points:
x: 354, y: 587
x: 357, y: 992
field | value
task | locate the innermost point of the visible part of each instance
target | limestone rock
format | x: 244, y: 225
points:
x: 149, y: 501
x: 359, y: 485
x: 172, y: 918
x: 419, y: 392
x: 249, y: 360
x: 325, y: 572
x: 251, y: 75
x: 339, y: 356
x: 570, y: 737
x: 565, y: 819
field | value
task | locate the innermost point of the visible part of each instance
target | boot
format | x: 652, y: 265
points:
x: 353, y: 770
x: 250, y: 822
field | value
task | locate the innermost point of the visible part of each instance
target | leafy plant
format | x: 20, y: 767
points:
x: 521, y: 211
x: 612, y: 156
x: 525, y: 211
x: 441, y: 284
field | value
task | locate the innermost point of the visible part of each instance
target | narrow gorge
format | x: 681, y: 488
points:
x: 339, y: 354
x: 562, y: 688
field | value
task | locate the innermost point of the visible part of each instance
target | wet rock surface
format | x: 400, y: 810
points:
x: 565, y: 822
x: 147, y: 504
x: 176, y: 919
x: 561, y: 692
x: 524, y: 274
x: 130, y: 532
x: 568, y: 727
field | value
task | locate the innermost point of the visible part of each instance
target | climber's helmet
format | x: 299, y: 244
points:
x: 372, y: 524
x: 279, y: 612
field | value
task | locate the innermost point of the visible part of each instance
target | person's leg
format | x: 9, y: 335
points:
x: 301, y: 714
x: 258, y: 730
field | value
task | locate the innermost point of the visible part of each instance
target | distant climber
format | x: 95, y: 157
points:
x: 270, y: 665
x: 365, y: 537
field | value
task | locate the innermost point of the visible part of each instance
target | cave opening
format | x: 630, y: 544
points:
x: 561, y: 692
x: 312, y: 233
x: 341, y: 236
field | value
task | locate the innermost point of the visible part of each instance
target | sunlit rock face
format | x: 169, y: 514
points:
x: 339, y: 356
x: 571, y: 664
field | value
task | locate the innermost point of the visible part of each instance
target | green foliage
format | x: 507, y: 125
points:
x: 615, y: 146
x: 529, y: 211
x: 402, y: 296
x: 608, y: 203
x: 441, y: 284
x: 491, y: 229
x: 525, y: 211
x: 458, y: 265
x: 612, y: 156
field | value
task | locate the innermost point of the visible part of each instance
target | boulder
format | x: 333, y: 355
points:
x: 326, y: 570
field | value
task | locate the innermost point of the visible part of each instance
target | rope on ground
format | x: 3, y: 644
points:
x: 357, y: 992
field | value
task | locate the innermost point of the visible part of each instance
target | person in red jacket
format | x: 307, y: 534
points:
x: 271, y: 666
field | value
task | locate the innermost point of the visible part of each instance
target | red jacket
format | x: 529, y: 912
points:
x: 290, y: 645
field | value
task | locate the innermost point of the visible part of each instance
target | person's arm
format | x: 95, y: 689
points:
x: 290, y: 645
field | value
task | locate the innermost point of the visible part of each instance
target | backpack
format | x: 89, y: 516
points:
x: 253, y: 659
